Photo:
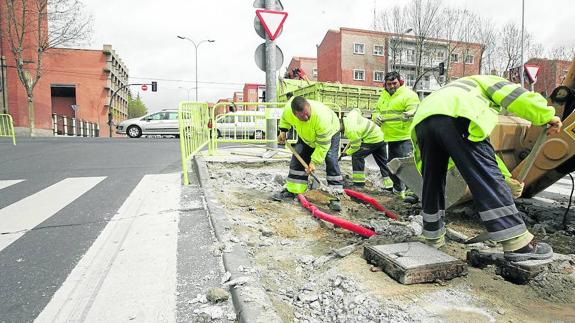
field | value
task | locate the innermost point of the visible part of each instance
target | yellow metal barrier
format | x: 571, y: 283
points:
x: 7, y: 127
x: 193, y: 119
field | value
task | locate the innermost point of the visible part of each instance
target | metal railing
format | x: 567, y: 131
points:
x: 7, y: 127
x: 193, y: 119
x: 68, y: 126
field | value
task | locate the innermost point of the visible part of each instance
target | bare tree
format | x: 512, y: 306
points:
x: 393, y: 21
x: 486, y: 37
x: 562, y: 53
x: 35, y: 26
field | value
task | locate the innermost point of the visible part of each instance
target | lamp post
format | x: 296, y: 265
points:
x: 196, y: 47
x: 408, y: 30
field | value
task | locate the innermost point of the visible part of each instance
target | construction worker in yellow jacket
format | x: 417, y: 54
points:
x: 455, y: 123
x: 365, y: 138
x: 398, y: 103
x: 317, y: 127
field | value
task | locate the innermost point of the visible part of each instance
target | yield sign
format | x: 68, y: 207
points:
x: 532, y: 71
x: 272, y: 21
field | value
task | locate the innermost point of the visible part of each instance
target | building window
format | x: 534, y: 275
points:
x: 440, y: 55
x: 410, y: 53
x: 378, y: 50
x: 469, y: 59
x: 454, y: 57
x: 378, y: 76
x: 314, y: 72
x: 410, y: 79
x: 358, y: 48
x: 359, y: 75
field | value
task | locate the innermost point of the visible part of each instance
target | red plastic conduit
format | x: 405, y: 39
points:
x: 368, y: 199
x: 333, y: 219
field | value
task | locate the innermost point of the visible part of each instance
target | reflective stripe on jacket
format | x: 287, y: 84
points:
x: 359, y: 129
x: 480, y: 99
x: 315, y: 132
x: 390, y: 106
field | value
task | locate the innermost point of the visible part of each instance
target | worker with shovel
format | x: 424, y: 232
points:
x: 318, y: 129
x: 452, y: 125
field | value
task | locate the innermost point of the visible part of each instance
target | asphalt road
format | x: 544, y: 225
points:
x: 60, y: 196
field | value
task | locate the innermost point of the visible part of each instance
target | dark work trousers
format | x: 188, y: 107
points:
x: 379, y: 152
x: 297, y: 171
x: 440, y: 137
x: 399, y: 149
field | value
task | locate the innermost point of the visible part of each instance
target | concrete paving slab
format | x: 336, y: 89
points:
x: 414, y: 262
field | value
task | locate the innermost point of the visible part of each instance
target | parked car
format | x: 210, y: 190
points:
x: 242, y: 124
x: 164, y: 122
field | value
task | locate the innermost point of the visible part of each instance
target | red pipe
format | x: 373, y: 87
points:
x: 368, y: 199
x: 333, y: 219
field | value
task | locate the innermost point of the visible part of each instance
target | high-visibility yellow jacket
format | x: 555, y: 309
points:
x: 480, y: 98
x: 391, y: 106
x: 315, y: 132
x: 359, y: 129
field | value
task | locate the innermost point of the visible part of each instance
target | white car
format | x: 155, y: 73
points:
x: 164, y: 122
x: 242, y: 124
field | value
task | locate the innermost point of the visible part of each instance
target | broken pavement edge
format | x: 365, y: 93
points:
x: 251, y: 301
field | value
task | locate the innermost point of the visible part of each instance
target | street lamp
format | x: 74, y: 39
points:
x: 407, y: 31
x: 196, y: 47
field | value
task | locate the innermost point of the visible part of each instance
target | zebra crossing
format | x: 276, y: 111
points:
x: 133, y: 259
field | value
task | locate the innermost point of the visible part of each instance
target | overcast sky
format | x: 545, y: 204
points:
x: 143, y: 33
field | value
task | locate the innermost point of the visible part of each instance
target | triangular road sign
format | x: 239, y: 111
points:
x: 532, y: 71
x: 272, y: 21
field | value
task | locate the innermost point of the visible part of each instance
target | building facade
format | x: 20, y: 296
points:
x: 73, y: 93
x: 307, y: 64
x: 551, y: 74
x: 363, y: 57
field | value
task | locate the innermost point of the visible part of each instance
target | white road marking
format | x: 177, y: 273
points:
x: 129, y: 273
x: 29, y: 212
x: 6, y: 183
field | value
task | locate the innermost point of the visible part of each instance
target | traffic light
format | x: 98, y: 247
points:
x: 154, y: 86
x: 441, y: 68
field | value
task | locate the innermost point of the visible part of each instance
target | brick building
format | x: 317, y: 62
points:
x: 363, y: 57
x: 71, y: 97
x: 307, y: 64
x: 551, y: 74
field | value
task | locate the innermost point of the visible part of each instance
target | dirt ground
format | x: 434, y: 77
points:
x: 310, y: 275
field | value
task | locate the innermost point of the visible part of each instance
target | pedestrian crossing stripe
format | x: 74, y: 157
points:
x: 8, y: 183
x: 16, y: 219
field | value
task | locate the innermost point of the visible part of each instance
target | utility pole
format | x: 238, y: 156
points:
x: 271, y: 124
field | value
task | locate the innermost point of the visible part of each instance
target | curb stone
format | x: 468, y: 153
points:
x: 251, y: 302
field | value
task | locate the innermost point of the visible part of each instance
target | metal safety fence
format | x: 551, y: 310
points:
x: 194, y: 127
x: 7, y: 127
x: 68, y: 126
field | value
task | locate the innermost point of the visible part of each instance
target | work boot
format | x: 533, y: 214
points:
x: 283, y: 195
x: 411, y: 199
x: 400, y: 194
x: 538, y: 251
x: 335, y: 205
x: 387, y: 183
x: 435, y: 243
x: 359, y: 184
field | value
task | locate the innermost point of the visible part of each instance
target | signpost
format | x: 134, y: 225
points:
x: 268, y: 56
